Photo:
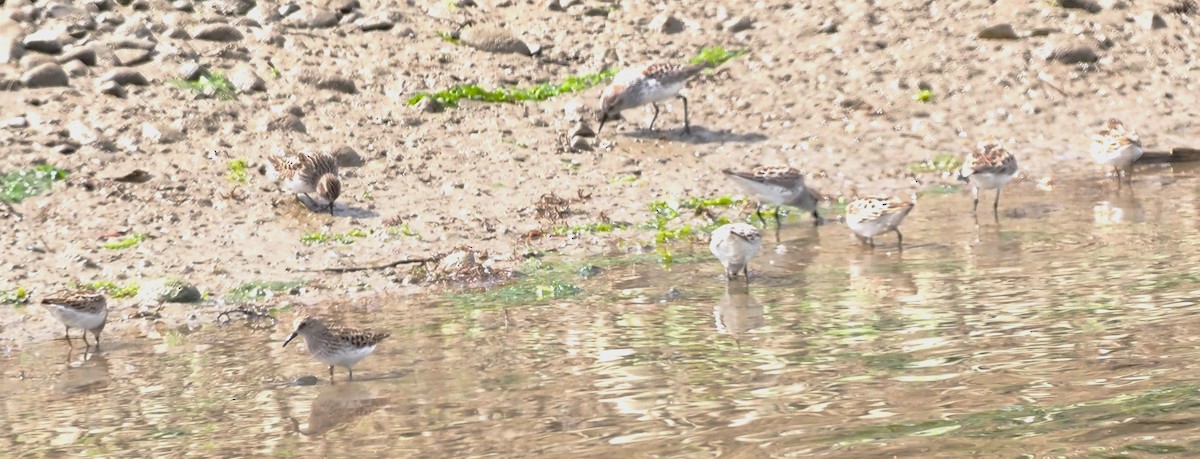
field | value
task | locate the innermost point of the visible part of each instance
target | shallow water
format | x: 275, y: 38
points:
x: 1068, y: 329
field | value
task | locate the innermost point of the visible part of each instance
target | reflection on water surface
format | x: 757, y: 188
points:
x: 1068, y: 329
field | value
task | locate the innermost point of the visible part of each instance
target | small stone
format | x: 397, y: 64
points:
x: 10, y: 48
x: 379, y: 21
x: 1150, y: 20
x: 999, y: 32
x: 666, y: 23
x: 43, y: 41
x: 287, y: 9
x: 286, y: 122
x: 84, y: 54
x: 311, y: 18
x: 334, y: 82
x: 76, y: 69
x: 581, y: 129
x: 34, y: 60
x: 1086, y: 5
x: 132, y: 56
x: 177, y: 33
x: 342, y: 6
x: 231, y: 7
x: 737, y: 24
x: 307, y: 380
x: 1069, y: 53
x: 47, y: 75
x: 217, y: 32
x: 244, y: 79
x: 125, y: 76
x: 133, y: 29
x: 132, y: 43
x: 82, y: 133
x: 428, y: 105
x: 111, y: 88
x: 294, y: 109
x: 494, y: 40
x: 169, y: 290
x: 18, y: 122
x: 347, y: 157
x: 580, y: 144
x: 163, y: 134
x: 828, y: 27
x: 183, y: 5
x: 189, y: 71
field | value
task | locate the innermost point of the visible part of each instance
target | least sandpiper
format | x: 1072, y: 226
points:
x: 1116, y: 147
x: 778, y: 185
x: 990, y: 166
x: 647, y: 84
x: 870, y: 217
x: 335, y: 345
x: 307, y: 172
x: 79, y: 309
x: 735, y: 244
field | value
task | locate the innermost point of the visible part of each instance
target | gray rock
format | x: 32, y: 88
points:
x: 76, y: 69
x: 311, y: 18
x: 183, y: 5
x: 828, y: 27
x: 998, y: 32
x: 111, y: 88
x: 264, y: 15
x: 132, y: 56
x: 1071, y: 53
x: 124, y: 77
x: 581, y: 129
x: 285, y: 122
x: 666, y: 23
x: 737, y: 23
x: 347, y: 157
x: 169, y: 290
x: 331, y: 82
x: 18, y: 122
x: 190, y: 70
x: 428, y: 105
x: 342, y: 6
x: 84, y: 54
x: 133, y: 29
x: 378, y: 21
x: 580, y: 144
x: 233, y: 7
x: 82, y: 133
x: 161, y: 134
x: 10, y: 49
x: 244, y: 79
x: 294, y: 109
x: 217, y: 32
x: 1086, y: 5
x: 34, y: 60
x: 287, y: 9
x: 1150, y: 20
x: 177, y: 33
x: 47, y: 75
x: 132, y: 43
x: 493, y: 40
x: 44, y: 41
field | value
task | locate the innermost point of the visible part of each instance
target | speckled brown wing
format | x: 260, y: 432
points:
x: 317, y: 164
x: 356, y: 337
x: 82, y: 301
x: 1115, y: 135
x: 990, y: 157
x: 782, y: 176
x: 874, y: 208
x: 287, y: 165
x: 669, y: 73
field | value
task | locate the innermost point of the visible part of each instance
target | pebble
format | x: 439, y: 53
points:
x: 581, y: 129
x: 1068, y: 53
x: 378, y: 21
x: 111, y: 88
x: 43, y: 41
x: 282, y: 122
x: 666, y: 23
x: 165, y: 134
x: 580, y: 144
x: 84, y: 54
x: 998, y: 32
x: 493, y: 40
x: 311, y: 18
x: 217, y: 32
x: 737, y: 23
x: 244, y: 79
x: 190, y: 70
x: 169, y: 290
x: 45, y: 76
x: 76, y: 68
x: 132, y: 56
x: 1150, y: 20
x: 334, y: 83
x: 125, y: 76
x: 347, y: 157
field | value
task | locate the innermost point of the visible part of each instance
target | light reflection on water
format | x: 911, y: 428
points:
x: 1069, y: 328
